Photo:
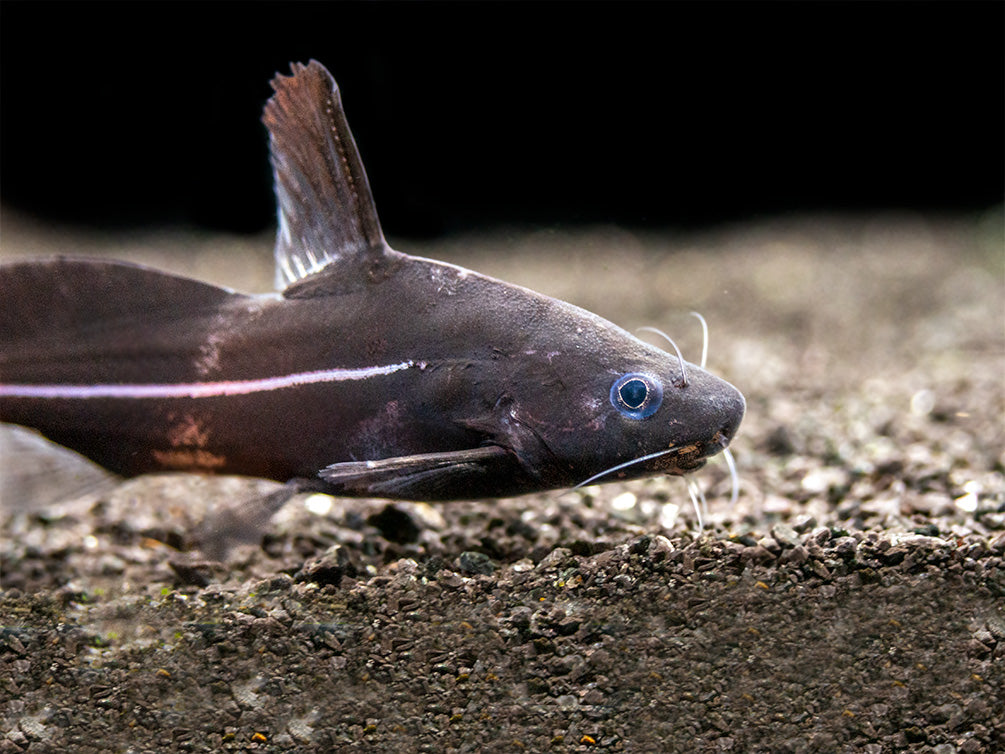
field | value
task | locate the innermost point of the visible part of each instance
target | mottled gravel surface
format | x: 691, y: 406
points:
x: 851, y: 600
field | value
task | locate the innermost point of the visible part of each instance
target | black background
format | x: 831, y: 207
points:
x: 470, y: 115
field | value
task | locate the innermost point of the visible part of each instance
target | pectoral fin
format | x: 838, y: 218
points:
x: 432, y: 476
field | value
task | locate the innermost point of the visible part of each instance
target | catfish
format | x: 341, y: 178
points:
x: 371, y: 373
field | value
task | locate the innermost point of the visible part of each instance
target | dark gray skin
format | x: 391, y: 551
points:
x: 505, y: 391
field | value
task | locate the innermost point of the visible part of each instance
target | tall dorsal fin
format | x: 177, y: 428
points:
x: 326, y: 212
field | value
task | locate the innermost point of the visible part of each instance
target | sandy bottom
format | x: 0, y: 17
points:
x: 851, y: 600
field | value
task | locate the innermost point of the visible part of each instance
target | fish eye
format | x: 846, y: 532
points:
x: 636, y: 395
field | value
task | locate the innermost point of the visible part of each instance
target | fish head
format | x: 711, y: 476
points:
x: 591, y: 402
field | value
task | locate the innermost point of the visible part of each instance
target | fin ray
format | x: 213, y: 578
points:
x: 37, y: 473
x: 326, y: 211
x: 415, y: 476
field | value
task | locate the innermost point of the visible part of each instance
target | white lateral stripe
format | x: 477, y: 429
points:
x: 200, y: 389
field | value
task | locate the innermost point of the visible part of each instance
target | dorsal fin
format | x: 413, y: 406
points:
x: 326, y: 212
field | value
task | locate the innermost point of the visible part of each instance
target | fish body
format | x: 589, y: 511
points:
x: 381, y: 373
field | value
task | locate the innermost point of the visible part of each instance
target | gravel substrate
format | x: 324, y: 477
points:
x: 851, y: 600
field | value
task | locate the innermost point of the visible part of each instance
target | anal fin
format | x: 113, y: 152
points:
x: 36, y: 473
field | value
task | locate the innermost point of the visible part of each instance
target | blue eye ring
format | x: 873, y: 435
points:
x: 636, y: 395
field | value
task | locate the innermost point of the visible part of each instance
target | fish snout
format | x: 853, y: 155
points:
x: 731, y: 408
x: 715, y: 422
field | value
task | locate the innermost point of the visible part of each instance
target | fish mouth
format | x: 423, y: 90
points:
x: 680, y: 460
x: 677, y: 460
x: 683, y: 459
x: 679, y: 464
